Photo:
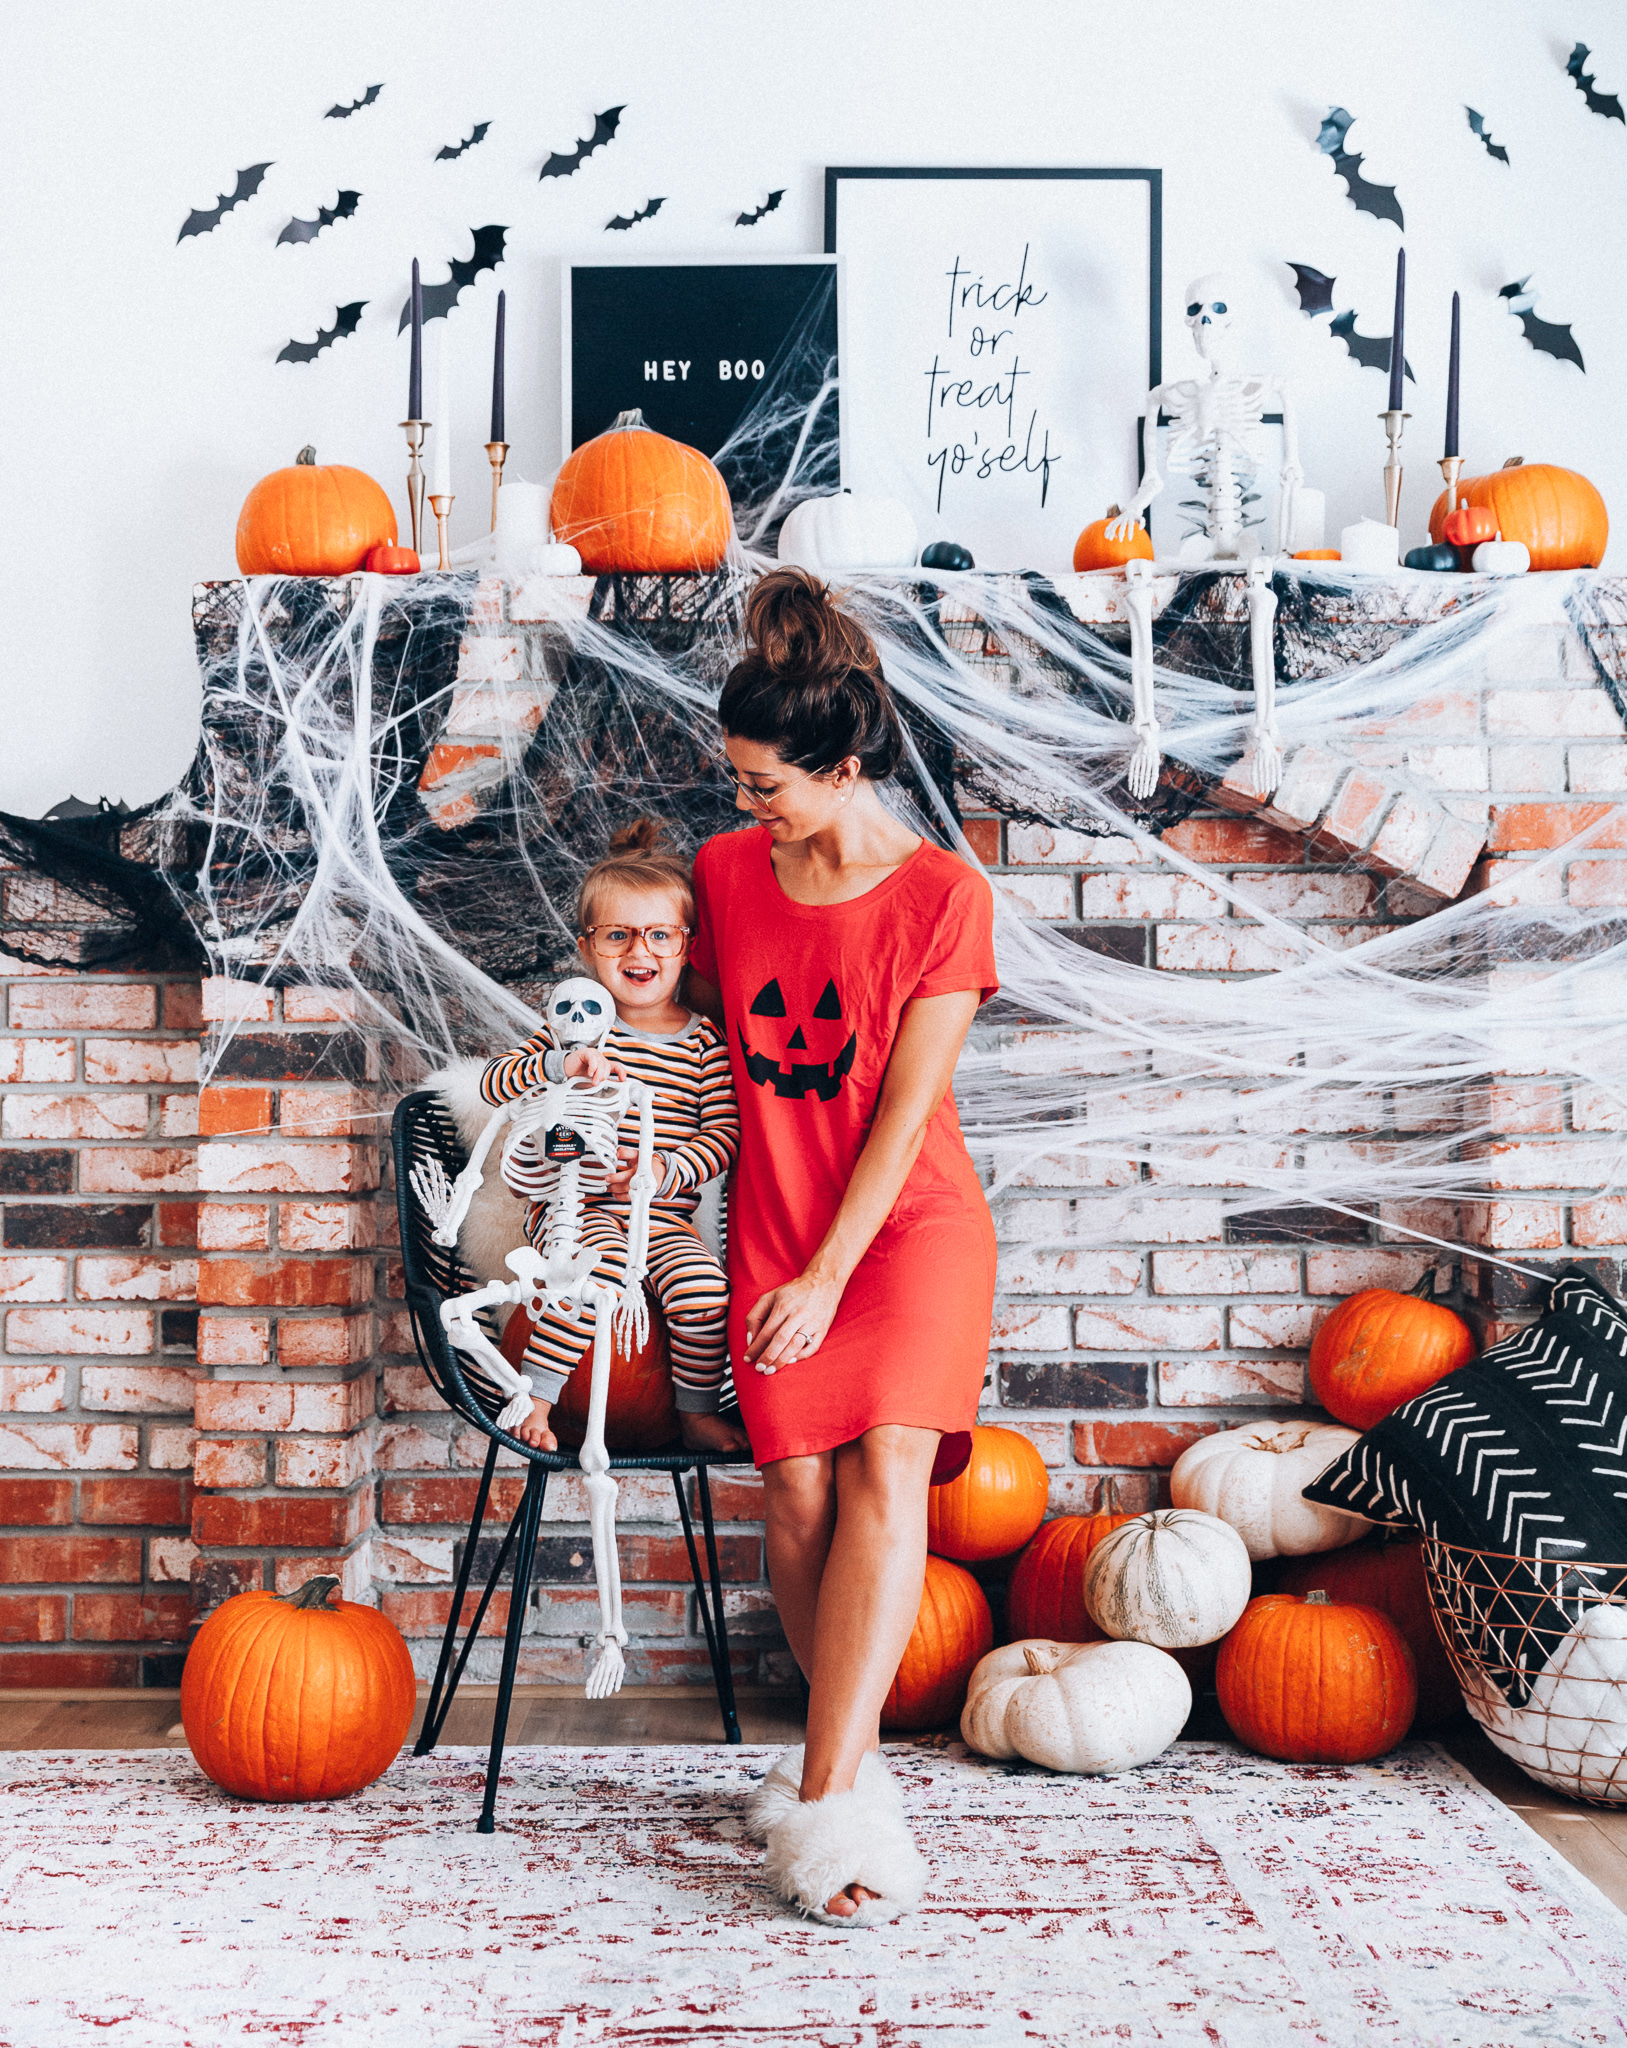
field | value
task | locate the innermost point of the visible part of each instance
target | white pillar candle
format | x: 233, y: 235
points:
x: 1371, y: 545
x: 522, y: 526
x: 441, y: 483
x: 1310, y: 520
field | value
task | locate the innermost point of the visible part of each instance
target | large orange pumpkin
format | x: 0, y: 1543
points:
x: 1379, y: 1349
x: 632, y: 500
x: 1558, y: 514
x: 315, y: 519
x: 1094, y: 550
x: 640, y: 1414
x: 1046, y: 1597
x: 1316, y: 1681
x: 284, y: 1697
x: 1389, y: 1575
x: 953, y: 1629
x: 996, y: 1503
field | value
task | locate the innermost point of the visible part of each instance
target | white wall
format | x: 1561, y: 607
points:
x: 141, y: 395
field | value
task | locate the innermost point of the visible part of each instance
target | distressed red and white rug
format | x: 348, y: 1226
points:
x: 1211, y: 1898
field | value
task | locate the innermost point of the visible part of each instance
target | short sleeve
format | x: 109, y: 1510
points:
x: 703, y: 941
x: 961, y: 954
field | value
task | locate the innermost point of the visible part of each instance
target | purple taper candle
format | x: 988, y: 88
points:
x: 497, y: 433
x: 1398, y: 343
x: 415, y: 370
x: 1452, y: 386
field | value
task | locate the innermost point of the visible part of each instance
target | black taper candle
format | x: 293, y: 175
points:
x: 1452, y: 386
x: 1398, y: 341
x: 415, y: 371
x: 497, y: 433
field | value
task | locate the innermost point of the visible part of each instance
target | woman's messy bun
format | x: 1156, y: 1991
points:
x: 810, y: 684
x: 640, y: 857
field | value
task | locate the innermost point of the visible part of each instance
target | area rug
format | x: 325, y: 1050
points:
x: 1210, y: 1898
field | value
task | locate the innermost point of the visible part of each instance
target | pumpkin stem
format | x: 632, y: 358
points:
x: 314, y: 1592
x: 625, y: 420
x: 1319, y: 1599
x: 1039, y: 1661
x: 1113, y: 512
x: 1514, y: 462
x: 306, y: 458
x: 1425, y: 1289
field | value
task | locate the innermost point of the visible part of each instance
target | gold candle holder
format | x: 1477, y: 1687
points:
x: 415, y: 431
x: 496, y: 455
x: 1451, y: 469
x: 440, y: 503
x: 1393, y: 422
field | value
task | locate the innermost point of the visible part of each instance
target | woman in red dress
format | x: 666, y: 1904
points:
x: 844, y: 957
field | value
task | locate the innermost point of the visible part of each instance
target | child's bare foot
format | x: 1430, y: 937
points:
x: 712, y: 1433
x: 535, y: 1431
x: 847, y: 1903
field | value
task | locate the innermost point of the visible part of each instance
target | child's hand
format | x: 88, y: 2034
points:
x: 620, y: 1182
x: 535, y: 1431
x: 712, y: 1433
x: 588, y: 1063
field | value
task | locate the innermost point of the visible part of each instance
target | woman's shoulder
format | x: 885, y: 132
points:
x: 940, y: 876
x: 726, y: 853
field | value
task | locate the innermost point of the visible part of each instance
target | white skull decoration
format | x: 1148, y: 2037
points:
x: 1211, y: 306
x: 580, y: 1012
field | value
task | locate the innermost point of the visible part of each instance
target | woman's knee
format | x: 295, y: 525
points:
x: 799, y: 1494
x: 889, y: 1467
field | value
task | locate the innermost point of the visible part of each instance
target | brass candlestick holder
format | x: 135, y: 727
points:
x: 496, y: 455
x: 415, y: 431
x: 1393, y: 422
x: 1451, y: 469
x: 440, y: 503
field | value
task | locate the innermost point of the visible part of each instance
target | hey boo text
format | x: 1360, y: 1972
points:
x: 672, y: 370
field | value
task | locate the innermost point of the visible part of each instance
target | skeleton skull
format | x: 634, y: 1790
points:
x: 1210, y: 310
x: 580, y: 1012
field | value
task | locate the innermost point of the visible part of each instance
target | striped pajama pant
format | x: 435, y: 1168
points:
x: 687, y: 1280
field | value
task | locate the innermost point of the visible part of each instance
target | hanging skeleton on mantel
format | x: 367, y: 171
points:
x: 1213, y: 419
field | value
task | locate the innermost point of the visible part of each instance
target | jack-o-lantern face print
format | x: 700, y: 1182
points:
x: 787, y: 1063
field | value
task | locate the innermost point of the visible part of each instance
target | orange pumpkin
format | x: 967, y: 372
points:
x: 312, y: 520
x: 1559, y: 515
x: 1389, y: 1575
x: 1046, y: 1597
x: 284, y: 1697
x: 632, y: 500
x: 1380, y: 1349
x: 953, y: 1629
x: 640, y: 1414
x: 1315, y: 1680
x: 389, y: 560
x: 1093, y: 549
x: 995, y: 1504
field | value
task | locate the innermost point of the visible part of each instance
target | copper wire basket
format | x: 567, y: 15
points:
x: 1539, y: 1646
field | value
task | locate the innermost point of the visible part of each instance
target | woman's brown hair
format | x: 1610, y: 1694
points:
x: 639, y: 858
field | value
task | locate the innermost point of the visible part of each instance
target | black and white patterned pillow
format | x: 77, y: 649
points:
x: 1521, y: 1453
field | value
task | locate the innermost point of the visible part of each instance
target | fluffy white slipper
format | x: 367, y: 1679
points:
x: 818, y: 1848
x: 774, y: 1796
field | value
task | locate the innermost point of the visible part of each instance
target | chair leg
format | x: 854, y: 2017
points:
x: 711, y: 1611
x: 436, y: 1711
x: 527, y: 1522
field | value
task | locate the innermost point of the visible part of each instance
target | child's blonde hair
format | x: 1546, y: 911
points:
x: 639, y: 858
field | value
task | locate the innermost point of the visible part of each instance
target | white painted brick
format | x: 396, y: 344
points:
x: 1055, y: 846
x: 1036, y: 895
x: 1039, y: 1269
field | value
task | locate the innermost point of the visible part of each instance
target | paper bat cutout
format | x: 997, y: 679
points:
x: 1604, y: 103
x: 628, y: 220
x: 563, y: 162
x: 1371, y: 351
x: 750, y: 220
x: 345, y: 321
x: 1378, y: 200
x: 1543, y: 335
x: 202, y: 219
x: 439, y: 299
x: 344, y: 113
x: 1477, y: 124
x: 1315, y: 289
x: 308, y: 230
x: 456, y: 149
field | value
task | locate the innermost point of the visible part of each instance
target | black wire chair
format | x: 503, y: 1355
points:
x: 423, y: 1130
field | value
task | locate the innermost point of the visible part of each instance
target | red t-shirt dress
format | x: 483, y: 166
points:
x: 812, y: 995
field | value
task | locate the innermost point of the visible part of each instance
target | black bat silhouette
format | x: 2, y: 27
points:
x: 750, y: 220
x: 1604, y: 103
x: 628, y: 220
x: 308, y: 230
x: 1543, y: 335
x: 1477, y: 125
x: 456, y: 149
x: 563, y: 162
x: 439, y: 299
x: 203, y: 218
x: 345, y: 321
x: 355, y: 107
x: 1315, y: 289
x: 1378, y: 200
x: 1371, y: 351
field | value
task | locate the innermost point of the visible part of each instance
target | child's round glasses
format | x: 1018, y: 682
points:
x: 665, y: 941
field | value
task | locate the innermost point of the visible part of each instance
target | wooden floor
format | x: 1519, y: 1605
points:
x: 1592, y: 1839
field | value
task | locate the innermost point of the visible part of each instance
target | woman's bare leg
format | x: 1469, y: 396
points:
x: 800, y: 1514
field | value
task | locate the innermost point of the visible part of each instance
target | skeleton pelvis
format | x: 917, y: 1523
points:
x: 640, y: 1415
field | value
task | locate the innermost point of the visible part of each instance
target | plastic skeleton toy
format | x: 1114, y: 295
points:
x: 1212, y: 419
x: 578, y: 1124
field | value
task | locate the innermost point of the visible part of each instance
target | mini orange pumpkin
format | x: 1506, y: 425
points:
x: 1046, y: 1597
x: 1388, y: 1573
x: 640, y: 1414
x: 994, y: 1505
x: 635, y: 501
x: 313, y: 519
x: 284, y: 1697
x: 1380, y: 1349
x: 1093, y: 549
x: 953, y: 1629
x: 1316, y: 1681
x: 389, y: 560
x: 1557, y: 514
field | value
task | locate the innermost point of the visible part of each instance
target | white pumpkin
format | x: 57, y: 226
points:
x: 1095, y: 1708
x: 553, y: 558
x: 1572, y: 1731
x: 850, y: 531
x: 1252, y: 1477
x: 1501, y: 557
x: 1173, y: 1578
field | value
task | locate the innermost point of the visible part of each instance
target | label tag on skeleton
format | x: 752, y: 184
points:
x: 561, y: 1142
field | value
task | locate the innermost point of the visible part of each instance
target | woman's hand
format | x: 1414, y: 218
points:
x: 620, y: 1182
x: 788, y: 1324
x: 588, y: 1063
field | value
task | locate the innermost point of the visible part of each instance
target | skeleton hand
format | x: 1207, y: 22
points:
x: 1124, y: 527
x: 630, y: 1319
x: 434, y: 1192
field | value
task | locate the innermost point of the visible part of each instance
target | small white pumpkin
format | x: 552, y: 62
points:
x: 850, y: 531
x: 1501, y: 557
x: 553, y: 558
x: 1173, y: 1578
x: 1252, y: 1477
x: 1095, y: 1708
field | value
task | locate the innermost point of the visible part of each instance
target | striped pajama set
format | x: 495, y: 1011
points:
x: 697, y: 1132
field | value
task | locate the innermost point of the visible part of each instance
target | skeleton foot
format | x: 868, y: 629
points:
x: 1143, y: 773
x: 606, y: 1675
x: 1266, y: 768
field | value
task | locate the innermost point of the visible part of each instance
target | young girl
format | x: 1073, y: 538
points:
x: 635, y: 914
